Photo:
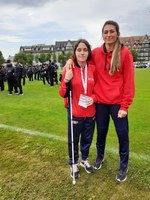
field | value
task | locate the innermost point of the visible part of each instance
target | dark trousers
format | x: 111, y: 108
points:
x: 19, y: 85
x: 12, y: 84
x: 51, y: 79
x: 1, y: 85
x: 55, y: 78
x: 103, y: 113
x: 83, y: 130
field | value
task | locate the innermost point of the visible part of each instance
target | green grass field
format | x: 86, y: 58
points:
x: 34, y: 156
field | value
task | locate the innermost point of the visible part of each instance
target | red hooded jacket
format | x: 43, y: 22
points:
x: 117, y: 88
x: 77, y: 89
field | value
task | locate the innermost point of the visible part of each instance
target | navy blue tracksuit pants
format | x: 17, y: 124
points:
x: 103, y: 113
x: 84, y: 127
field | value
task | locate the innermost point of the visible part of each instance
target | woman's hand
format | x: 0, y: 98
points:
x: 90, y: 101
x: 122, y: 114
x: 68, y: 75
x: 69, y: 64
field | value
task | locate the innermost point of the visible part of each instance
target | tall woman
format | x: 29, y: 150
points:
x: 114, y: 90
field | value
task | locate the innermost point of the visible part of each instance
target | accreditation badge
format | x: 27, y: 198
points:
x: 83, y: 100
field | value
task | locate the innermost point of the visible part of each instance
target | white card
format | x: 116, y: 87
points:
x: 83, y: 100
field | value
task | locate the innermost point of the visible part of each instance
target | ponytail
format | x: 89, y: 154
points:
x: 116, y: 58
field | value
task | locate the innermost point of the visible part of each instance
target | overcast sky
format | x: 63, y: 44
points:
x: 30, y: 22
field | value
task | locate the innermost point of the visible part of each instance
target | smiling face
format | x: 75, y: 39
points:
x: 81, y: 53
x: 110, y: 34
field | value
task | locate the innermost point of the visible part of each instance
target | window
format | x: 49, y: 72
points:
x: 45, y: 48
x: 27, y: 49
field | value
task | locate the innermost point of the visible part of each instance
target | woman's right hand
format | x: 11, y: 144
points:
x: 68, y: 75
x: 69, y: 64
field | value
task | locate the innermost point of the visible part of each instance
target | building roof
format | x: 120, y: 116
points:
x: 134, y: 39
x: 60, y: 44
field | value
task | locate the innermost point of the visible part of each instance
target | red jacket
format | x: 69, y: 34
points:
x: 117, y: 88
x: 77, y: 89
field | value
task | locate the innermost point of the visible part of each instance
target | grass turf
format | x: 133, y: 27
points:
x: 35, y: 167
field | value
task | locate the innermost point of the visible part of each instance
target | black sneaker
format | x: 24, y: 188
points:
x: 76, y: 171
x: 122, y: 175
x: 98, y: 163
x: 88, y: 168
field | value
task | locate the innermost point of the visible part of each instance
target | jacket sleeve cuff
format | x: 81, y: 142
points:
x: 94, y: 98
x: 123, y: 108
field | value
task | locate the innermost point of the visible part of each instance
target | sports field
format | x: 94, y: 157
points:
x: 33, y: 149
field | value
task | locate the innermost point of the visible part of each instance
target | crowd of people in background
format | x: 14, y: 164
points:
x: 16, y: 75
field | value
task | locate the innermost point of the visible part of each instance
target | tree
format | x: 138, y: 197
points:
x: 36, y: 58
x: 30, y: 58
x: 54, y: 57
x: 20, y: 58
x: 42, y: 57
x: 134, y: 54
x: 2, y: 60
x: 62, y: 59
x: 68, y: 55
x: 48, y: 56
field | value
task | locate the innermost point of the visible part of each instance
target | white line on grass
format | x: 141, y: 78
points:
x: 30, y: 132
x: 53, y: 136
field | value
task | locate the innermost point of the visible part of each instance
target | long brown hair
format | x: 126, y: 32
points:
x: 116, y: 57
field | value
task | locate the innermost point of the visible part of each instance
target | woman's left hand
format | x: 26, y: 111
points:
x: 90, y: 101
x: 122, y: 114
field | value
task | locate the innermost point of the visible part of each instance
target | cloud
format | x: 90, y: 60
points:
x: 26, y: 22
x: 25, y: 3
x: 10, y: 38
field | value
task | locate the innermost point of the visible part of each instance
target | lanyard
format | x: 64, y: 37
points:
x: 84, y: 78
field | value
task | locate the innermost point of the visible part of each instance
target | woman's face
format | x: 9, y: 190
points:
x: 81, y: 53
x: 110, y: 34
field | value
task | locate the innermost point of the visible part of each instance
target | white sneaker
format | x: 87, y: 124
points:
x: 76, y: 171
x: 88, y: 168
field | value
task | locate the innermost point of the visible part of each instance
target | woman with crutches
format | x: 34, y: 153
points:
x: 81, y: 78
